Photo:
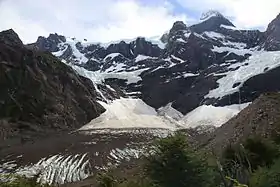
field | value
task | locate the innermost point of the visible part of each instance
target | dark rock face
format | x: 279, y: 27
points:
x: 48, y: 44
x: 9, y: 37
x: 272, y: 41
x: 143, y: 47
x: 122, y: 48
x: 41, y: 95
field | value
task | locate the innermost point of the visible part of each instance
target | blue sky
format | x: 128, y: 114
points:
x: 107, y: 20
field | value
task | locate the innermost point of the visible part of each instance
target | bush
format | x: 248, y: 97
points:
x: 261, y: 152
x: 20, y: 181
x: 174, y: 163
x: 106, y: 180
x: 239, y: 162
x: 267, y: 177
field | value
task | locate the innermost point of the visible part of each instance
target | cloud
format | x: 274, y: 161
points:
x: 244, y: 13
x: 95, y: 20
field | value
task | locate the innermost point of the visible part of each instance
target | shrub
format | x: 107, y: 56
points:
x: 20, y: 181
x: 267, y: 177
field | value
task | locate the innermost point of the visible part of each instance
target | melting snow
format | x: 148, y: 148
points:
x: 99, y: 77
x: 211, y: 34
x: 130, y: 113
x: 117, y: 67
x: 80, y: 57
x: 111, y: 56
x: 256, y: 65
x: 229, y: 27
x: 60, y: 52
x: 181, y: 40
x: 187, y: 34
x: 190, y: 75
x: 208, y: 115
x: 143, y: 57
x: 177, y: 58
x: 234, y: 47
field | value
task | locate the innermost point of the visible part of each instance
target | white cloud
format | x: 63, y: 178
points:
x: 95, y: 20
x: 244, y: 13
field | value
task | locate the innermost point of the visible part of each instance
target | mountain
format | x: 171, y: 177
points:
x: 205, y: 63
x: 39, y: 94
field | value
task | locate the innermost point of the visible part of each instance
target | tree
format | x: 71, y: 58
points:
x: 173, y: 163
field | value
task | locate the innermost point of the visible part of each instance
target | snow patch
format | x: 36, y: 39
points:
x: 143, y: 57
x: 99, y: 77
x: 181, y: 40
x: 208, y: 115
x: 187, y: 35
x: 190, y: 75
x: 111, y: 56
x: 256, y: 65
x: 215, y: 35
x: 130, y: 113
x: 229, y: 27
x: 177, y: 58
x: 234, y: 47
x: 60, y: 52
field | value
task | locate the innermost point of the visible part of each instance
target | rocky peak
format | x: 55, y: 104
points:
x: 272, y: 42
x: 211, y: 21
x: 121, y: 47
x: 178, y: 26
x: 144, y: 47
x: 48, y: 44
x: 178, y: 30
x: 10, y: 37
x: 57, y: 38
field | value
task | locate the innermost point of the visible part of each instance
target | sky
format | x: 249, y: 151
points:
x: 109, y: 20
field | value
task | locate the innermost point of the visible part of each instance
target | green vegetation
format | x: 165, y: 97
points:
x: 173, y: 163
x: 19, y: 181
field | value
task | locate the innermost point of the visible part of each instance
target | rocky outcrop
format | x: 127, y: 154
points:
x: 9, y: 37
x: 272, y: 40
x: 39, y: 94
x: 48, y: 44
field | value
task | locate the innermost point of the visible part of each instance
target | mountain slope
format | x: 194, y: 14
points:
x: 260, y: 118
x: 190, y: 64
x: 39, y: 94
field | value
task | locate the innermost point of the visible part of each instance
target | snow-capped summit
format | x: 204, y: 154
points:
x: 211, y: 21
x: 209, y: 14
